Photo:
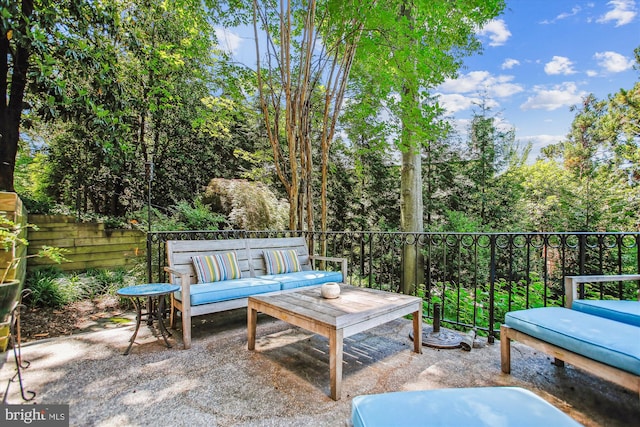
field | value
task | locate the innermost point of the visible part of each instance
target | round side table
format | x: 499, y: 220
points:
x: 149, y: 291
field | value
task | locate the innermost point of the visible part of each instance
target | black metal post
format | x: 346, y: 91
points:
x: 149, y: 174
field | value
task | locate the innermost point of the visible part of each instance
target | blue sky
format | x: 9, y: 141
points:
x: 539, y: 58
x: 542, y: 56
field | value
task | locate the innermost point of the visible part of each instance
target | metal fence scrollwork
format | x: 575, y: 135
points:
x: 474, y: 277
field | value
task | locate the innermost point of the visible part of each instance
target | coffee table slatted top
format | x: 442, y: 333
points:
x: 354, y: 304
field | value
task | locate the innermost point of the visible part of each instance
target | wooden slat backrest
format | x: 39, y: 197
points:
x: 180, y: 252
x: 248, y: 251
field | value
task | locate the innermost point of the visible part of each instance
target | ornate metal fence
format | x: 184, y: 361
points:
x: 475, y: 277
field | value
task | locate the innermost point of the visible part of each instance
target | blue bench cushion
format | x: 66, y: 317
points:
x: 304, y: 278
x: 622, y: 311
x: 613, y: 343
x: 469, y: 407
x: 204, y: 293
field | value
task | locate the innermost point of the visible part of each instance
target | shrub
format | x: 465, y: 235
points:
x: 52, y: 288
x: 247, y: 205
x: 46, y: 290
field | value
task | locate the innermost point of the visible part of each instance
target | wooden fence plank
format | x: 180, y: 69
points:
x: 89, y: 245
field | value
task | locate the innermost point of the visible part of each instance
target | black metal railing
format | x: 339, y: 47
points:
x: 474, y: 277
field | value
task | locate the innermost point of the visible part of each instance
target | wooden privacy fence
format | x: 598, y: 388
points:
x: 12, y: 208
x: 89, y: 245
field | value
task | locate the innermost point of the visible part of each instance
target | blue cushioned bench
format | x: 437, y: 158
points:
x: 621, y: 311
x: 194, y: 298
x: 469, y: 407
x: 604, y: 347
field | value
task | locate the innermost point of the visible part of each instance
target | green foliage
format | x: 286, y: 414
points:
x: 470, y: 307
x: 197, y: 216
x: 127, y: 83
x: 363, y: 195
x: 50, y: 287
x: 106, y: 282
x: 13, y: 235
x: 247, y: 205
x: 47, y: 291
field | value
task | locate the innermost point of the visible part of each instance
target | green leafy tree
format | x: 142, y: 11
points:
x: 490, y: 151
x: 407, y: 51
x: 167, y: 68
x: 31, y: 61
x: 621, y: 126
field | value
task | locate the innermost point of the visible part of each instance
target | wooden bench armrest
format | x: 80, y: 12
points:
x: 183, y: 280
x: 571, y: 284
x: 342, y: 261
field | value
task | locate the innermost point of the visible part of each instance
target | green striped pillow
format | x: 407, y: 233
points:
x: 218, y: 267
x: 278, y: 262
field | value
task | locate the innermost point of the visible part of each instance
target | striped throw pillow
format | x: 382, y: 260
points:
x: 278, y: 262
x: 218, y: 267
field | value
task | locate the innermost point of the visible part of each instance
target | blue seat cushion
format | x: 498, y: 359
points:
x: 304, y: 278
x: 613, y: 343
x: 204, y: 293
x: 469, y: 407
x: 622, y: 311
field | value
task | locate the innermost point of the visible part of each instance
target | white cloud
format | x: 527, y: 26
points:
x: 592, y: 73
x: 558, y: 96
x: 574, y: 11
x: 470, y: 82
x: 482, y: 81
x: 613, y: 61
x: 538, y: 142
x: 497, y: 32
x: 455, y: 102
x: 227, y: 40
x: 622, y: 12
x: 502, y: 87
x: 509, y: 63
x: 559, y: 65
x: 542, y: 140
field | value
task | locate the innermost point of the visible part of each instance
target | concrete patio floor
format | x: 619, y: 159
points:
x: 285, y: 382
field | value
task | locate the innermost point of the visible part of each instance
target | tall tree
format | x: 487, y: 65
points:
x: 490, y: 149
x: 304, y: 55
x: 28, y: 60
x: 408, y: 49
x: 161, y: 64
x: 621, y: 125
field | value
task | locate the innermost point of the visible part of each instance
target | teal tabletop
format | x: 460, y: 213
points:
x: 148, y: 290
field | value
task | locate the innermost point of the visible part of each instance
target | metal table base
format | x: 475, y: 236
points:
x: 155, y: 309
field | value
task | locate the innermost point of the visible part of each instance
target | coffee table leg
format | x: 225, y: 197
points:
x: 417, y: 331
x: 252, y: 319
x: 335, y: 363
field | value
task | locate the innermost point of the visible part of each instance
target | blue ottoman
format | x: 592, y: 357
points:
x: 469, y: 407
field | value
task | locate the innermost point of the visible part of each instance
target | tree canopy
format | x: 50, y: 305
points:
x: 338, y: 120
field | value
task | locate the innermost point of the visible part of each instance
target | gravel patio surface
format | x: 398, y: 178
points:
x: 285, y: 382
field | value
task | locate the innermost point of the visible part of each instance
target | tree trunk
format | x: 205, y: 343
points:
x: 411, y: 204
x: 411, y: 207
x: 11, y: 113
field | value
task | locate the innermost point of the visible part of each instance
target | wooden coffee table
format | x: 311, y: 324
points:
x: 356, y: 310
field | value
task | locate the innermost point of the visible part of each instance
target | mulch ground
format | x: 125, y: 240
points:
x: 81, y: 316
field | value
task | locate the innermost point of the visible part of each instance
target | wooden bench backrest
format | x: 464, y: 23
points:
x: 248, y: 251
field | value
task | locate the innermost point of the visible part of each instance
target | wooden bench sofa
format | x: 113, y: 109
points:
x: 601, y: 337
x: 195, y: 299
